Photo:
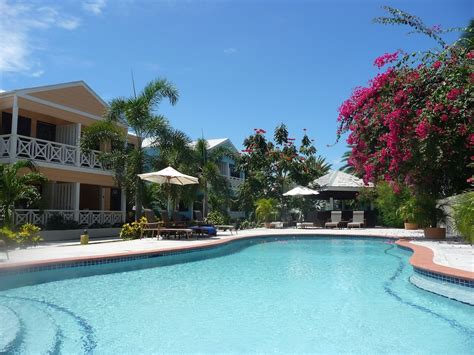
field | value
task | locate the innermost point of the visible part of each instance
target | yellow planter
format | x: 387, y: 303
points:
x: 84, y: 239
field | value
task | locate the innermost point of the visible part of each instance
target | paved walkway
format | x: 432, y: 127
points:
x: 459, y: 256
x: 452, y: 254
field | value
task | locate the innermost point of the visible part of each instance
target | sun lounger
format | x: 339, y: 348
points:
x: 176, y: 232
x: 152, y: 225
x: 304, y: 225
x: 335, y: 222
x: 357, y: 220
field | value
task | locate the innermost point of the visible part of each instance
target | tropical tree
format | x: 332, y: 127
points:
x: 413, y: 124
x: 271, y: 167
x: 210, y: 177
x: 16, y: 186
x: 346, y: 166
x: 137, y: 114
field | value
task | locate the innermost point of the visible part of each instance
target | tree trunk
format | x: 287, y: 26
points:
x: 205, y: 203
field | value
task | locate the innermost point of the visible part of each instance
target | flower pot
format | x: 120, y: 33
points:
x: 411, y: 226
x: 435, y: 233
x: 84, y: 239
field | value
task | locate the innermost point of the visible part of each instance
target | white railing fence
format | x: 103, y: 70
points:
x: 51, y: 152
x: 86, y: 218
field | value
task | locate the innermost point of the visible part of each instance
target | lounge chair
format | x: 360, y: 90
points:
x: 335, y: 222
x: 178, y: 219
x: 152, y: 225
x: 357, y: 220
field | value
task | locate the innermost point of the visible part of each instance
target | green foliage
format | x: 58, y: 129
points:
x: 248, y: 224
x: 133, y: 230
x: 273, y: 165
x: 28, y: 235
x: 15, y: 187
x: 388, y: 202
x: 57, y: 222
x: 464, y: 216
x: 431, y: 213
x: 138, y: 113
x: 216, y: 218
x: 266, y: 209
x: 410, y: 210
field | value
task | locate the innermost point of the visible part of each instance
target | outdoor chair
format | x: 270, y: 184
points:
x: 152, y: 225
x: 178, y: 220
x: 335, y: 222
x: 357, y: 220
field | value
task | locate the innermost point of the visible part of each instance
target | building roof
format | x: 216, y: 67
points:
x: 217, y: 142
x: 337, y: 180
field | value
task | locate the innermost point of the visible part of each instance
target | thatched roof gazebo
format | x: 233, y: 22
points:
x: 339, y: 185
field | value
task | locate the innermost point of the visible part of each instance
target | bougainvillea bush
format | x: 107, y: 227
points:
x: 413, y: 124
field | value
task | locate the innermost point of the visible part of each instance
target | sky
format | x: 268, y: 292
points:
x: 238, y: 65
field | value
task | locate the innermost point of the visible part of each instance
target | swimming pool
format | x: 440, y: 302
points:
x: 263, y: 295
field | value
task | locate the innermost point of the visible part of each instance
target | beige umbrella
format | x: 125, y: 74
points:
x: 169, y: 176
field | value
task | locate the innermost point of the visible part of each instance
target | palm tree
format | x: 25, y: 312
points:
x: 139, y: 114
x: 15, y: 187
x: 208, y: 171
x: 346, y: 167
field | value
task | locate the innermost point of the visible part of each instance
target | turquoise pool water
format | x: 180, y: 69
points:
x: 293, y: 295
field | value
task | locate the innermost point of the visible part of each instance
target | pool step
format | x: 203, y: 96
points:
x: 10, y: 328
x: 41, y: 327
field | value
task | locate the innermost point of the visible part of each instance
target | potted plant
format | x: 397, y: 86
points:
x: 266, y: 210
x: 409, y: 211
x: 431, y: 214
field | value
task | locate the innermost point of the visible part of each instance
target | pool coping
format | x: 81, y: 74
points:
x: 422, y: 257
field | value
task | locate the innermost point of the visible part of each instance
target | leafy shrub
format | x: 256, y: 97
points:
x: 133, y: 230
x: 248, y: 224
x: 464, y: 216
x: 28, y: 235
x: 266, y: 209
x: 410, y: 210
x: 7, y: 235
x: 216, y: 217
x: 388, y: 202
x: 57, y: 222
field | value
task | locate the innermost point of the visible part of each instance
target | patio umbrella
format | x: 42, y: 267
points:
x: 169, y: 176
x: 300, y: 191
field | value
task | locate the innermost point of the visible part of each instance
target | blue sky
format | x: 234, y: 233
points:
x: 238, y: 65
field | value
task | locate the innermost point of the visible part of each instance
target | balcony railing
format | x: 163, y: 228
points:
x: 50, y: 152
x: 85, y: 218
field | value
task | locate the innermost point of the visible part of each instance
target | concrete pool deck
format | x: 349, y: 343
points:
x: 451, y: 256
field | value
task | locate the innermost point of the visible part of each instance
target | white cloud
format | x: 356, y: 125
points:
x: 95, y: 7
x: 18, y: 44
x: 230, y: 50
x: 1, y: 90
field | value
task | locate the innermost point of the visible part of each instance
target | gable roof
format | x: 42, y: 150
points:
x: 217, y: 142
x: 76, y: 95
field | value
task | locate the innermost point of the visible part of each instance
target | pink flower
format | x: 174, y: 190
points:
x: 385, y: 59
x: 454, y: 93
x: 436, y: 64
x: 470, y: 55
x: 444, y: 117
x: 422, y: 129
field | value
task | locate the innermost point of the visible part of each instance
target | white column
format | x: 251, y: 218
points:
x: 123, y: 204
x: 331, y: 204
x: 78, y: 139
x: 227, y: 169
x: 14, y: 132
x: 77, y: 199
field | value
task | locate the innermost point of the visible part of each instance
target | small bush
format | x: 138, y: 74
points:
x: 388, y: 203
x: 216, y: 218
x: 28, y: 235
x: 133, y: 230
x: 7, y: 235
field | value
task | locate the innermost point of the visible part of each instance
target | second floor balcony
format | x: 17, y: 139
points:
x: 40, y: 150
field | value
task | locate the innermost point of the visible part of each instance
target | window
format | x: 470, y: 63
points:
x: 46, y: 131
x: 24, y: 125
x: 233, y: 171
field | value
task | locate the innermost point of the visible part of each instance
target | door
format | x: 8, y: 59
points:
x: 115, y: 199
x: 46, y: 131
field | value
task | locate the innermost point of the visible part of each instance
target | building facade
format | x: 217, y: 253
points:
x: 44, y: 124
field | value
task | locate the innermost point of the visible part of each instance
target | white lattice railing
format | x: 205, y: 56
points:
x: 4, y: 145
x: 51, y: 152
x: 100, y: 217
x: 91, y: 160
x: 86, y: 218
